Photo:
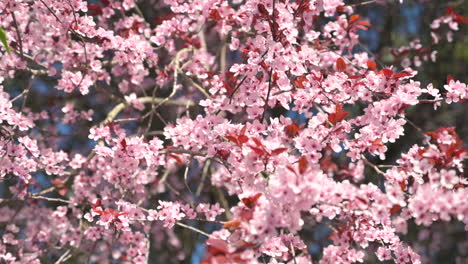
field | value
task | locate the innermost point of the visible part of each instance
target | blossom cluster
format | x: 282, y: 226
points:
x: 151, y: 126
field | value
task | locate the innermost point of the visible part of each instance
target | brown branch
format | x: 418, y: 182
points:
x: 18, y: 34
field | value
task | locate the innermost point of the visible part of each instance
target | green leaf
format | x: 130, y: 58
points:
x: 3, y: 39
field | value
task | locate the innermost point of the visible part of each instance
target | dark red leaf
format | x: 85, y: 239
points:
x: 353, y: 77
x: 242, y: 139
x: 300, y: 81
x: 94, y: 10
x: 262, y: 10
x: 403, y: 186
x: 258, y: 142
x: 291, y: 169
x: 340, y: 65
x: 449, y: 10
x: 251, y: 201
x: 215, y: 15
x: 223, y: 153
x: 449, y: 78
x: 278, y: 151
x: 359, y: 83
x: 232, y: 224
x: 97, y: 204
x: 244, y: 128
x: 232, y: 138
x: 339, y: 114
x: 303, y: 165
x: 292, y: 130
x: 395, y: 209
x: 123, y: 143
x: 340, y: 9
x: 259, y: 151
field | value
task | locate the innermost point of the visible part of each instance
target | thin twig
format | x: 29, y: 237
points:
x: 265, y: 107
x: 222, y: 58
x: 145, y: 100
x: 38, y: 197
x: 206, y: 168
x: 66, y: 255
x: 18, y: 34
x: 176, y: 62
x: 186, y: 173
x: 372, y: 165
x: 193, y: 229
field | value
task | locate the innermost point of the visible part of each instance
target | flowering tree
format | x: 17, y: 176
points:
x: 134, y: 139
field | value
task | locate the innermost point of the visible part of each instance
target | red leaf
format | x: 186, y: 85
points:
x: 242, y: 139
x: 387, y: 72
x: 402, y: 74
x: 340, y: 9
x: 232, y: 224
x: 119, y: 214
x: 359, y: 83
x: 340, y: 65
x: 123, y: 143
x: 300, y: 81
x: 460, y: 19
x: 353, y: 77
x: 160, y: 19
x: 403, y: 186
x: 223, y: 153
x: 111, y: 126
x: 244, y: 128
x: 291, y: 169
x: 97, y: 204
x: 259, y: 151
x: 449, y: 10
x: 278, y: 151
x: 364, y: 23
x: 232, y: 138
x: 251, y: 201
x: 303, y: 165
x: 176, y: 158
x: 339, y: 115
x: 377, y: 142
x: 214, y: 15
x: 258, y: 142
x: 262, y: 10
x: 371, y: 65
x: 292, y: 130
x: 395, y: 209
x: 327, y: 165
x: 361, y: 27
x: 354, y: 18
x: 94, y: 10
x: 449, y: 78
x: 362, y: 200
